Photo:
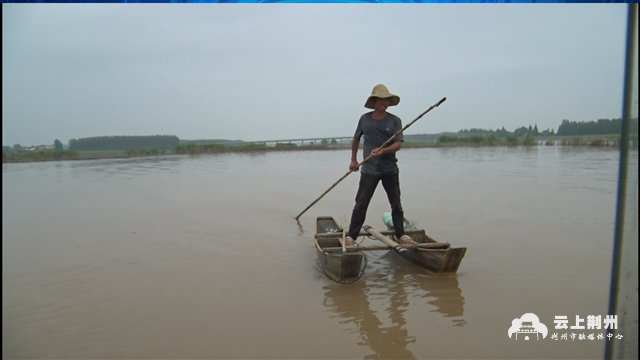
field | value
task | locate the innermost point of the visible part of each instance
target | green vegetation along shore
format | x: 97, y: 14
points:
x: 448, y: 140
x: 601, y: 133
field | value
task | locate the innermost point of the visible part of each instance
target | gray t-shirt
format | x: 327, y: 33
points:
x: 375, y: 133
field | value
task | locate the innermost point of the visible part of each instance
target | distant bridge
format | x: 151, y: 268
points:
x: 335, y: 140
x: 300, y: 141
x: 340, y: 140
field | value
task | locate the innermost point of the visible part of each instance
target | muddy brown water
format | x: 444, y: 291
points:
x: 200, y: 257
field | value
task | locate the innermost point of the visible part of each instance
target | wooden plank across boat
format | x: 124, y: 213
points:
x: 346, y: 264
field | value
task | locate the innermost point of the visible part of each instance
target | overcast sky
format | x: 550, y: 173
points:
x: 275, y: 71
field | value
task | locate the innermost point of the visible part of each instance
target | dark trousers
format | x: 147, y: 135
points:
x: 367, y: 187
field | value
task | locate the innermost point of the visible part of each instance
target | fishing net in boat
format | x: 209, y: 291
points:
x: 388, y: 222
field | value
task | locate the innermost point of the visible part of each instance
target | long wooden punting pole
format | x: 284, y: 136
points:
x: 385, y: 144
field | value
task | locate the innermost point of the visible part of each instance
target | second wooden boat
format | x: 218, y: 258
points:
x: 430, y: 254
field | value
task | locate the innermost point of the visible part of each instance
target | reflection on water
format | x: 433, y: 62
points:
x: 443, y: 292
x: 356, y: 304
x: 352, y: 306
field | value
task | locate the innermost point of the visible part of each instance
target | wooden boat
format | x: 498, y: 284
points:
x: 434, y: 256
x: 340, y: 264
x: 346, y: 263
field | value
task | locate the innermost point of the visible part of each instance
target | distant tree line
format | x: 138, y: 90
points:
x: 600, y: 127
x: 521, y: 131
x: 159, y: 144
x: 102, y: 143
x: 566, y: 128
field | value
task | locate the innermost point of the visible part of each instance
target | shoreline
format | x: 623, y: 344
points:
x: 67, y: 155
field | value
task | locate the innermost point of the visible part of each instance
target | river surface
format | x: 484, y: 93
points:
x: 200, y: 257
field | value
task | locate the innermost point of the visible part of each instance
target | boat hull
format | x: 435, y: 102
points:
x: 339, y: 266
x: 435, y: 260
x: 347, y: 266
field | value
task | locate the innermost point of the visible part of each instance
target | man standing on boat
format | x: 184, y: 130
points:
x: 377, y: 127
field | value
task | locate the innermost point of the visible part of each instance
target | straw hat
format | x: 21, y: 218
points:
x: 381, y: 91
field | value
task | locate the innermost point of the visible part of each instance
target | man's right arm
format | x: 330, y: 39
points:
x: 355, y: 145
